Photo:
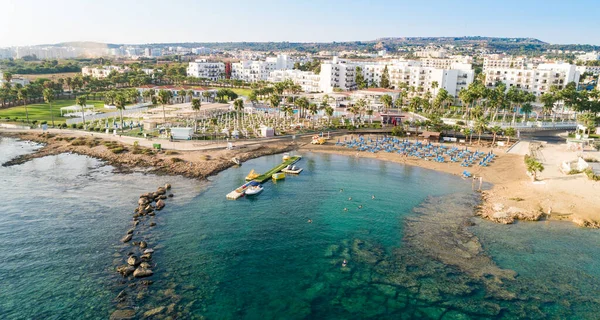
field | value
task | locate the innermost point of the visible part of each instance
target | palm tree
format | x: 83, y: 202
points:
x: 495, y: 130
x: 313, y: 109
x: 480, y: 126
x: 22, y: 96
x: 362, y: 105
x: 533, y: 166
x: 329, y: 112
x: 196, y: 104
x: 238, y: 105
x: 509, y: 132
x: 49, y: 98
x: 164, y: 96
x: 120, y: 102
x: 82, y: 102
x: 526, y: 109
x: 387, y: 102
x: 207, y: 95
x: 548, y: 99
x: 469, y: 132
x: 274, y: 101
x: 301, y: 103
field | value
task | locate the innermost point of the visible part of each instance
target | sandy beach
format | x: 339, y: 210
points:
x: 513, y: 196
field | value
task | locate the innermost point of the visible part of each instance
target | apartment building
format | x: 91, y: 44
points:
x: 338, y: 73
x: 530, y: 78
x: 589, y: 56
x: 253, y: 71
x: 207, y: 70
x: 503, y: 61
x: 445, y: 63
x: 342, y: 74
x: 102, y: 72
x: 591, y: 69
x: 308, y: 80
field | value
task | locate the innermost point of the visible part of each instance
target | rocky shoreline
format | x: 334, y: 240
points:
x: 200, y: 165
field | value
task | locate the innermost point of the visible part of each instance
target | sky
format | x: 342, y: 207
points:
x: 31, y: 22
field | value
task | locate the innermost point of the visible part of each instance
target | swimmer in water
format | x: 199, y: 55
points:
x: 360, y: 207
x: 342, y: 190
x: 344, y: 263
x: 309, y: 221
x: 373, y: 197
x: 350, y: 198
x: 345, y: 209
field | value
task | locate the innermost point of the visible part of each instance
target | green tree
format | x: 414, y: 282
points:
x: 385, y: 78
x: 164, y: 97
x: 238, y: 106
x: 196, y: 104
x: 527, y: 108
x: 120, y: 102
x: 480, y: 126
x: 253, y: 97
x: 495, y: 130
x: 302, y: 104
x: 533, y: 166
x: 359, y: 78
x: 548, y: 99
x: 22, y: 96
x: 509, y: 132
x: 82, y: 102
x: 387, y: 102
x: 49, y: 98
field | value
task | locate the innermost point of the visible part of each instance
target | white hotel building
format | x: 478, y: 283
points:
x: 102, y: 72
x: 342, y: 74
x: 253, y: 71
x: 206, y: 70
x: 308, y: 80
x: 536, y: 80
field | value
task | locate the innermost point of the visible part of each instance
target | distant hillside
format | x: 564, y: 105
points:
x: 530, y: 46
x: 459, y: 40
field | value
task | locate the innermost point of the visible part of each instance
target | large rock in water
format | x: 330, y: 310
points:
x: 168, y: 186
x: 143, y: 244
x: 160, y: 204
x: 125, y: 270
x: 141, y: 273
x: 153, y: 312
x: 122, y: 314
x: 133, y: 261
x: 126, y: 238
x: 143, y: 201
x: 161, y: 191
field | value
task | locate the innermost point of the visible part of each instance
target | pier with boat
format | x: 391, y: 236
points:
x: 254, y: 180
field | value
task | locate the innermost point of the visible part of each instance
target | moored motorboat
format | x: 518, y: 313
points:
x: 254, y: 188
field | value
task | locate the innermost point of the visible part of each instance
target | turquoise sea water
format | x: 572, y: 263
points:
x: 411, y: 251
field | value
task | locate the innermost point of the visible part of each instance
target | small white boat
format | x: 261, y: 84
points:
x: 292, y: 169
x: 254, y: 189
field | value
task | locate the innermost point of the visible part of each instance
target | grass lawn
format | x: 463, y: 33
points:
x: 41, y: 111
x: 239, y: 91
x: 51, y: 76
